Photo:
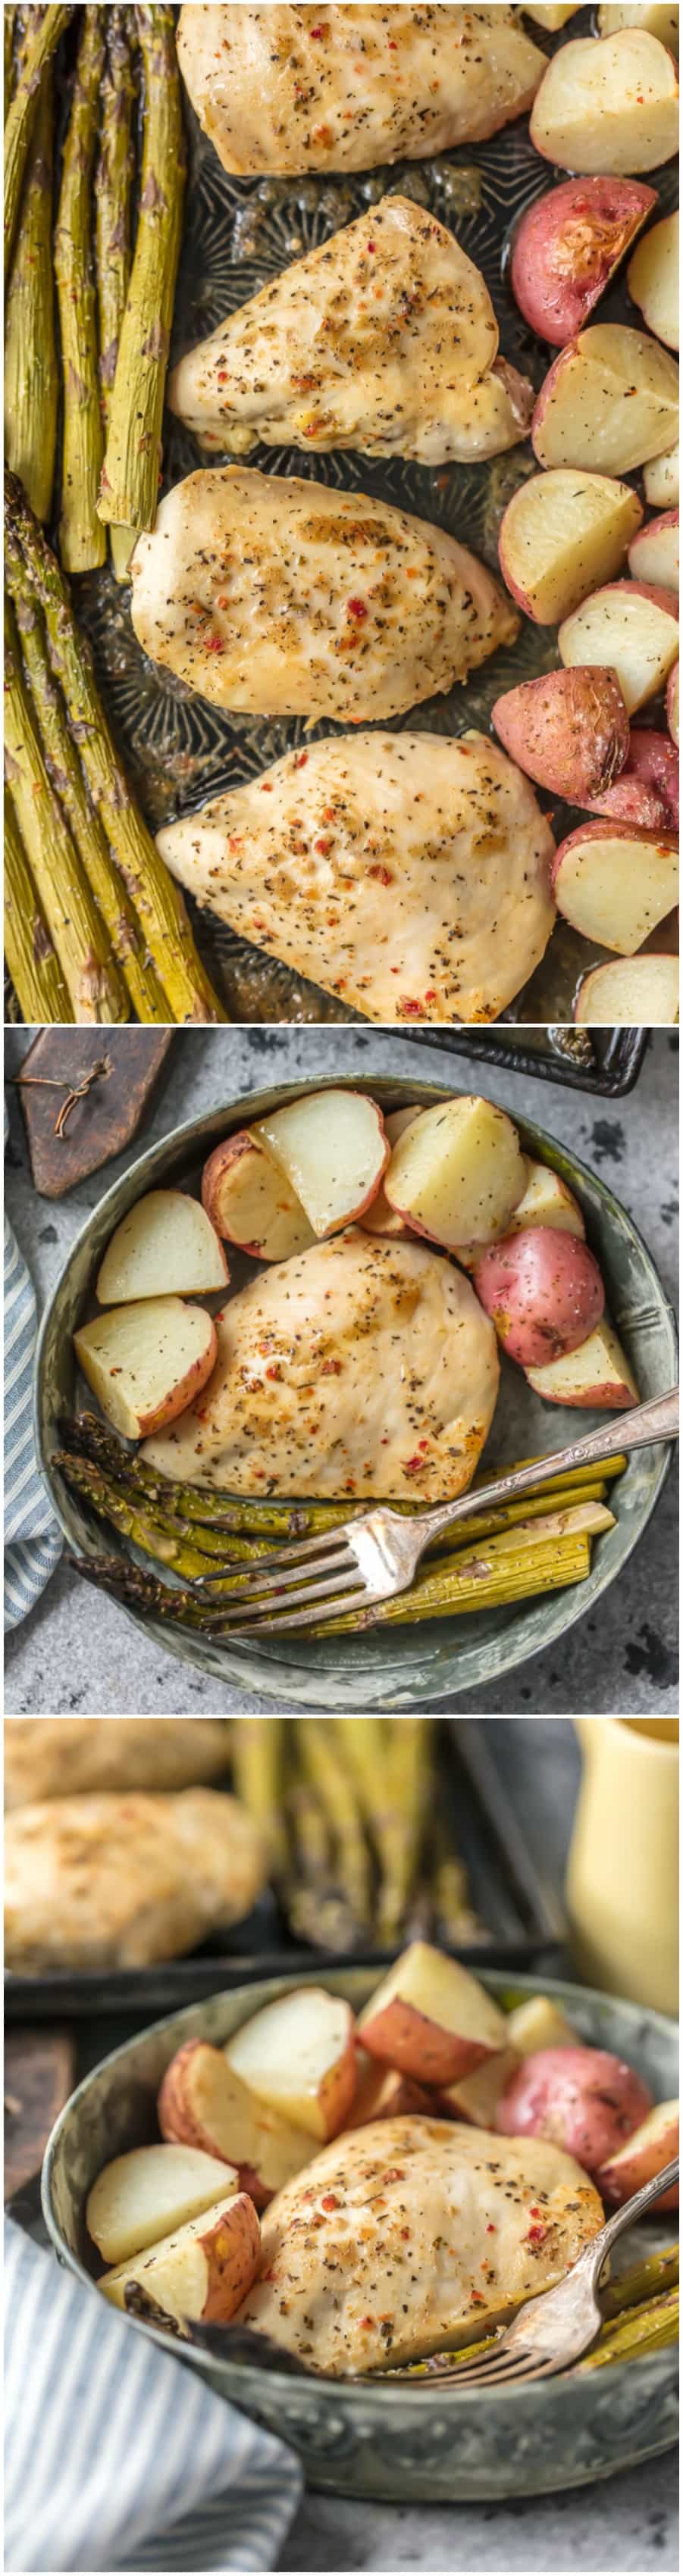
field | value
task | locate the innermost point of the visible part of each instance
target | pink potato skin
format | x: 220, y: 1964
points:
x: 617, y: 2180
x: 234, y: 2248
x: 567, y: 247
x: 213, y: 1175
x: 403, y: 2037
x: 602, y: 831
x: 543, y: 1292
x: 672, y: 704
x: 581, y: 2099
x: 191, y: 1385
x: 568, y: 730
x: 180, y: 2126
x: 646, y: 791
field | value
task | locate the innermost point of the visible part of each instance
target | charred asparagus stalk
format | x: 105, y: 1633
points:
x: 113, y: 228
x: 157, y: 901
x: 392, y: 1772
x: 95, y: 986
x: 9, y: 16
x: 646, y: 2329
x: 455, y: 1920
x: 130, y: 475
x: 64, y: 769
x: 458, y: 1584
x: 140, y: 1590
x: 156, y: 1537
x: 20, y: 122
x: 31, y: 370
x: 258, y: 1769
x: 329, y: 1776
x: 82, y: 542
x: 645, y: 2280
x: 32, y: 961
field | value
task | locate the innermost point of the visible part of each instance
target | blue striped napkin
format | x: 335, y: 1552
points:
x: 32, y: 1535
x: 118, y: 2456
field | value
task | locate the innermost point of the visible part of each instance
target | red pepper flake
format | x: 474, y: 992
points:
x: 301, y: 759
x: 535, y: 2212
x: 412, y: 1466
x: 536, y: 2236
x: 423, y: 1444
x: 365, y: 2323
x: 477, y: 2299
x: 214, y: 644
x: 330, y: 2201
x: 273, y: 1370
x: 370, y: 246
x: 384, y: 875
x: 357, y: 608
x: 394, y: 2173
x: 324, y: 845
x: 330, y: 1368
x: 431, y: 995
x: 271, y: 2275
x: 490, y: 2231
x: 316, y: 31
x: 410, y: 1010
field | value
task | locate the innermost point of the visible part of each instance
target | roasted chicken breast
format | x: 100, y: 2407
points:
x: 410, y: 2235
x: 383, y: 338
x: 50, y: 1757
x: 288, y: 91
x: 360, y: 1367
x: 280, y: 597
x: 408, y: 874
x: 117, y: 1879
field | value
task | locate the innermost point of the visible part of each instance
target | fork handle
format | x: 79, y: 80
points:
x: 601, y: 2245
x: 656, y: 1420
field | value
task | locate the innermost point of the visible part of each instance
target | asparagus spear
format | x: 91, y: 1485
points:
x: 316, y: 1911
x: 9, y: 18
x: 475, y: 1584
x: 329, y: 1776
x: 157, y: 899
x: 90, y: 971
x: 258, y: 1770
x: 392, y: 1773
x: 31, y: 370
x: 113, y: 228
x: 64, y: 769
x: 455, y: 1920
x: 82, y: 543
x: 139, y: 1590
x: 152, y: 1534
x: 130, y: 474
x: 645, y: 2280
x: 21, y: 119
x: 32, y: 961
x: 641, y: 2330
x: 534, y: 1570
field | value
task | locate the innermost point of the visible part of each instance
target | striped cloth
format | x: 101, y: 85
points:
x: 32, y: 1535
x: 118, y: 2456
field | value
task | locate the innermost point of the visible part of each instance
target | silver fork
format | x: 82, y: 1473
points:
x: 553, y: 2331
x: 374, y: 1558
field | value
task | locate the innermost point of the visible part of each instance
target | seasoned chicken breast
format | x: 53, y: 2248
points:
x: 361, y: 1367
x: 279, y: 597
x: 410, y: 2235
x: 407, y: 874
x: 294, y: 90
x: 383, y: 338
x: 47, y: 1756
x: 117, y: 1880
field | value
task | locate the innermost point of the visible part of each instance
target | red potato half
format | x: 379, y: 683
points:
x: 538, y: 2024
x: 646, y: 790
x: 546, y: 1201
x: 568, y: 730
x: 476, y: 2097
x: 661, y: 480
x: 150, y: 2193
x: 609, y: 107
x: 608, y: 403
x: 561, y: 534
x: 248, y: 1199
x: 583, y: 2099
x: 645, y: 2154
x: 567, y: 247
x: 299, y: 2057
x: 333, y: 1150
x: 654, y: 554
x: 629, y: 627
x: 633, y: 993
x: 615, y: 886
x: 380, y: 1218
x: 672, y: 695
x: 652, y: 280
x: 165, y: 1246
x: 146, y: 1362
x: 202, y: 2271
x: 431, y: 2019
x: 543, y: 1292
x: 457, y: 1173
x: 596, y: 1378
x: 657, y: 20
x: 204, y: 2103
x: 383, y: 2093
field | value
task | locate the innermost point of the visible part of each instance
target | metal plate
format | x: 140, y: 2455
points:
x: 605, y: 1062
x: 178, y: 750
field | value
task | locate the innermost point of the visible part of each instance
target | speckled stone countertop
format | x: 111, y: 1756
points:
x: 621, y: 1657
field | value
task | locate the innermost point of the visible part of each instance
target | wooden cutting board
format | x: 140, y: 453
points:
x: 121, y: 1068
x: 39, y: 2076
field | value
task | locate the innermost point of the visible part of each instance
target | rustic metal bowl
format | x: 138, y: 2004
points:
x: 398, y: 2441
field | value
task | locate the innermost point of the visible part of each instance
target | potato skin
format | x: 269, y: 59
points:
x: 568, y: 730
x: 567, y: 247
x: 646, y: 791
x: 582, y: 2099
x: 543, y: 1292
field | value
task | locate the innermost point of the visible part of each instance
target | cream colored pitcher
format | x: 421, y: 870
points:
x: 622, y: 1875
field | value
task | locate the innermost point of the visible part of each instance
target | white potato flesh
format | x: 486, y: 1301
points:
x: 546, y: 1201
x: 203, y: 2270
x: 615, y: 887
x: 538, y: 2024
x: 652, y: 280
x: 609, y: 108
x: 553, y: 14
x: 203, y: 2103
x: 476, y: 2097
x: 431, y: 2018
x: 147, y: 1361
x: 149, y: 2193
x: 626, y: 632
x: 458, y: 1173
x: 638, y: 993
x: 609, y: 403
x: 562, y: 534
x: 657, y: 20
x: 651, y: 2146
x: 249, y: 1200
x: 165, y: 1246
x: 299, y: 2056
x: 672, y: 706
x: 332, y: 1148
x: 661, y: 480
x: 654, y: 553
x: 380, y: 1218
x: 596, y: 1377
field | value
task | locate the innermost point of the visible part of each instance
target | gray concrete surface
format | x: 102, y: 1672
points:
x: 76, y: 1653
